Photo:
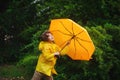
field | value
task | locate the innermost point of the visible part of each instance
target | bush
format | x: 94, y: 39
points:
x: 114, y: 31
x: 9, y: 71
x: 28, y: 63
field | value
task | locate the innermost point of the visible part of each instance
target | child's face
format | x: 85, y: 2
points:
x: 50, y: 37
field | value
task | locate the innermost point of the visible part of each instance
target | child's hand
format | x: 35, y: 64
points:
x: 56, y: 53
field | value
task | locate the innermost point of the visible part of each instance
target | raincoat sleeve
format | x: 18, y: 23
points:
x: 48, y: 55
x: 46, y: 52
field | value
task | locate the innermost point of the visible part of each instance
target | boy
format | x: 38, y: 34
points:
x: 47, y: 59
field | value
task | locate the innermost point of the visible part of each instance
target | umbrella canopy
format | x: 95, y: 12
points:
x: 81, y: 46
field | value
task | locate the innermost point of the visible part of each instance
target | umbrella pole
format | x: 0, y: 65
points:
x: 63, y: 47
x: 68, y: 42
x: 61, y: 50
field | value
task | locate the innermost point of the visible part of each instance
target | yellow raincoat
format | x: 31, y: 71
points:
x: 47, y: 60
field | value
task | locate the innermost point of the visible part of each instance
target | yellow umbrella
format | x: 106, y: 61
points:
x: 81, y: 46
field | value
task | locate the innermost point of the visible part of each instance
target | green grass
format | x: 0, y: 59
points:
x: 10, y: 71
x: 24, y: 68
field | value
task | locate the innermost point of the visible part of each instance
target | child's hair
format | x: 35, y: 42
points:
x: 44, y: 36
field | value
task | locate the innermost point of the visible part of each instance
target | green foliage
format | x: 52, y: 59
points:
x: 10, y: 53
x: 28, y: 63
x: 114, y: 31
x: 10, y: 71
x: 34, y: 40
x: 13, y: 20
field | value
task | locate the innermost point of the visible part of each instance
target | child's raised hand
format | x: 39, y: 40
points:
x: 56, y: 53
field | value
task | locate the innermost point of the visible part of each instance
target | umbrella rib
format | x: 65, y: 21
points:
x: 79, y: 32
x: 75, y: 46
x: 63, y: 33
x: 72, y: 29
x: 65, y: 44
x: 84, y: 40
x: 65, y: 27
x: 83, y: 47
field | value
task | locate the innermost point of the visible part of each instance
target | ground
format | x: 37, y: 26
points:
x: 10, y: 72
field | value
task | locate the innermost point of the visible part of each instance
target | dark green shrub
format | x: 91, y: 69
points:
x: 28, y: 64
x: 114, y: 31
x: 10, y: 71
